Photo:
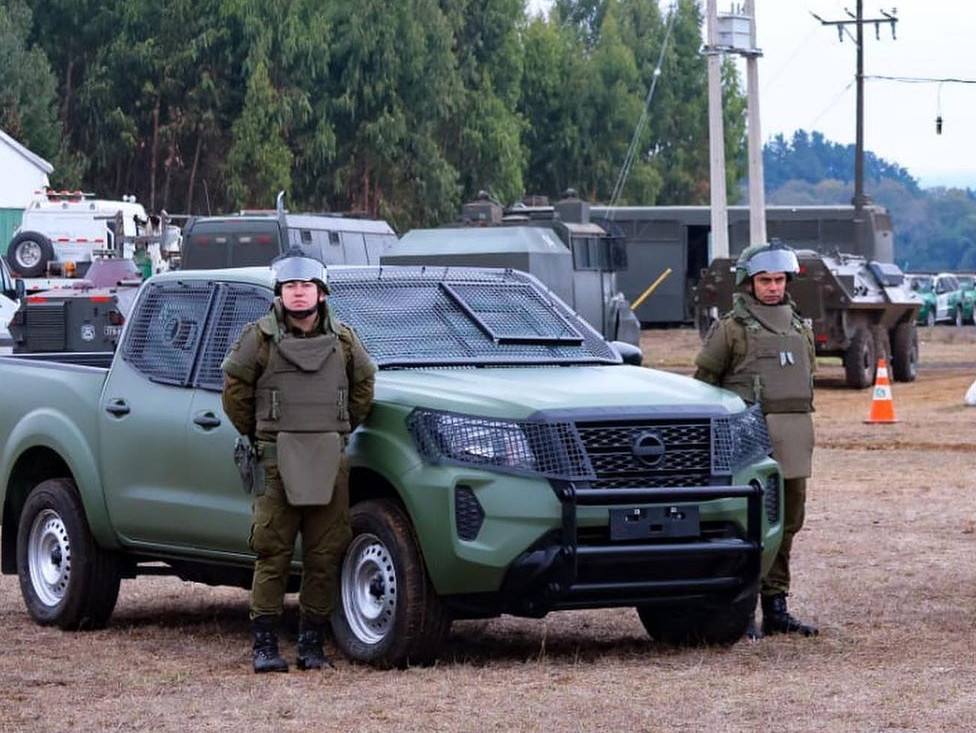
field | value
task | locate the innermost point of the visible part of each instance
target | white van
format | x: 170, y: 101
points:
x: 61, y: 227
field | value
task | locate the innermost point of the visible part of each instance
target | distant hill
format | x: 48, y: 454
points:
x: 935, y: 228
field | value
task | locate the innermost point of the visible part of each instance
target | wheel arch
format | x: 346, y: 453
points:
x: 45, y: 445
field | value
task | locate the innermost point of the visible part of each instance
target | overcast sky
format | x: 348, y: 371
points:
x: 806, y: 80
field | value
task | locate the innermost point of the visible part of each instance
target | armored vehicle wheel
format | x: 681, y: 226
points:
x: 904, y: 357
x: 930, y: 317
x: 28, y: 253
x: 860, y: 361
x: 960, y: 321
x: 698, y: 624
x: 65, y: 578
x: 388, y: 613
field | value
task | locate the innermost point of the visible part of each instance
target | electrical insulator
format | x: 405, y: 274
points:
x: 938, y: 125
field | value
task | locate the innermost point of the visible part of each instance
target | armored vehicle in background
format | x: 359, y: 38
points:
x: 256, y: 237
x: 860, y: 310
x: 574, y: 257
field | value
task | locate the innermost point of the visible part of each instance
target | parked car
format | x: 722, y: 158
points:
x: 943, y: 299
x: 967, y: 282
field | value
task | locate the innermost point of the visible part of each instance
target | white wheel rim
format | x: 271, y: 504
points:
x: 49, y: 557
x: 369, y: 589
x: 28, y: 253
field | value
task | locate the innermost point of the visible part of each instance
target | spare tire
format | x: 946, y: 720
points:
x: 28, y: 254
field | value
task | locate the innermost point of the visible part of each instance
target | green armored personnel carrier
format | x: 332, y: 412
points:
x: 860, y: 310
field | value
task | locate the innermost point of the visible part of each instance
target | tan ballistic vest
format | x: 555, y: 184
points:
x: 304, y: 388
x: 775, y: 370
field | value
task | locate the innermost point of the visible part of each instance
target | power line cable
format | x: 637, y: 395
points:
x: 642, y: 122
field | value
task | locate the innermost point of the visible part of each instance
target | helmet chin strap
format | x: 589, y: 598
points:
x: 304, y: 313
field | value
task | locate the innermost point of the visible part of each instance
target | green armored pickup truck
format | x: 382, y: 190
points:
x: 512, y: 464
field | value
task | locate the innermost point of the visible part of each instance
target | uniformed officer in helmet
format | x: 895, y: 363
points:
x: 297, y: 381
x: 764, y: 351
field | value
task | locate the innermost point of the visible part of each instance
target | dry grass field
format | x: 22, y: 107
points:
x: 886, y: 566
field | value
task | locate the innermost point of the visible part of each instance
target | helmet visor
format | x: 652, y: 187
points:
x: 306, y: 269
x: 773, y: 260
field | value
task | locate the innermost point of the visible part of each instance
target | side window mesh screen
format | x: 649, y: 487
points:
x: 162, y: 340
x: 237, y: 306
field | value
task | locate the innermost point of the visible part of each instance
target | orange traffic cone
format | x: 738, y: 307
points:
x: 882, y: 407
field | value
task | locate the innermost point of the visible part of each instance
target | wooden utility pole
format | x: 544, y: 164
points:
x: 858, y: 20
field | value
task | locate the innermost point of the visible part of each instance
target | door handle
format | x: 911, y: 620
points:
x: 206, y: 420
x: 117, y: 408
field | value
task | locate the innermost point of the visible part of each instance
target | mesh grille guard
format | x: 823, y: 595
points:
x: 447, y: 316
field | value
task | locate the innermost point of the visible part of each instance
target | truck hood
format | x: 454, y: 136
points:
x: 517, y: 393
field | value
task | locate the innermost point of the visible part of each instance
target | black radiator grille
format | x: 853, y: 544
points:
x: 672, y: 453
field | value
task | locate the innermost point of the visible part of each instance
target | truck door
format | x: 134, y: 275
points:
x: 167, y: 448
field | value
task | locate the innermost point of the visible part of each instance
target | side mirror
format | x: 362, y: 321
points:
x: 20, y: 288
x: 628, y: 352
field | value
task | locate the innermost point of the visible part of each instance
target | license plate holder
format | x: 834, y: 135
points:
x: 656, y: 522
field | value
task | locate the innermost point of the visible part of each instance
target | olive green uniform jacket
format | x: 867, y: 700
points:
x: 766, y: 354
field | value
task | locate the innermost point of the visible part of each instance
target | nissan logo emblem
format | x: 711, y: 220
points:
x: 648, y: 449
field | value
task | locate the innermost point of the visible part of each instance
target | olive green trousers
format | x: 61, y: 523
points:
x: 777, y: 580
x: 325, y: 534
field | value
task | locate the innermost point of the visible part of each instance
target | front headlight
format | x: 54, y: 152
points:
x: 524, y: 447
x: 739, y: 440
x: 494, y: 442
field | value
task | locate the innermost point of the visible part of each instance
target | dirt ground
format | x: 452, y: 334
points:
x: 886, y: 566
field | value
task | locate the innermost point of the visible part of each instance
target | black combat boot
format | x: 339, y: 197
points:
x: 777, y: 620
x: 266, y: 657
x: 311, y: 635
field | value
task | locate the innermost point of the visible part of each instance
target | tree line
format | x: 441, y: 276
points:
x: 935, y: 228
x: 399, y: 110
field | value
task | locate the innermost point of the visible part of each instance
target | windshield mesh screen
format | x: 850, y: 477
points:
x: 423, y: 316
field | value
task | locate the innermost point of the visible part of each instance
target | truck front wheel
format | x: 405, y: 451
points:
x: 65, y: 578
x: 28, y: 253
x: 699, y: 624
x: 388, y: 613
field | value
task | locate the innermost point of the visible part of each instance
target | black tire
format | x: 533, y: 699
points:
x: 960, y: 321
x: 28, y: 254
x: 699, y: 624
x: 930, y: 317
x: 65, y: 578
x: 904, y: 357
x: 860, y: 361
x: 388, y: 613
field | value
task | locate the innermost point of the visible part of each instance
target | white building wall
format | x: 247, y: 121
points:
x: 23, y: 172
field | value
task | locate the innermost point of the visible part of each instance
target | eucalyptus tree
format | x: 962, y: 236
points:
x: 282, y: 135
x: 28, y: 98
x: 485, y: 144
x: 394, y: 95
x: 552, y: 103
